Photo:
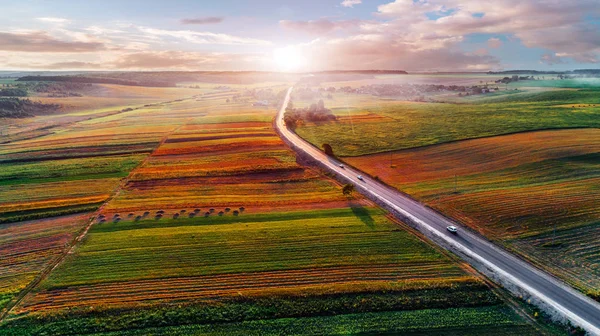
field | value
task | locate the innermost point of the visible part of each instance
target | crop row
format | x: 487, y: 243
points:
x: 527, y: 210
x: 456, y: 321
x: 333, y: 279
x: 478, y: 156
x: 418, y: 124
x: 25, y: 248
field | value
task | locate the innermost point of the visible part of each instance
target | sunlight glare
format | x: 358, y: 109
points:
x: 289, y: 59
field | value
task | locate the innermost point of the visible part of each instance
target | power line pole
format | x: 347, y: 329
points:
x: 455, y: 182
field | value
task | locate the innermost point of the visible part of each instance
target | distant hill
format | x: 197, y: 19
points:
x: 537, y: 72
x: 95, y: 80
x: 22, y: 108
x: 365, y: 72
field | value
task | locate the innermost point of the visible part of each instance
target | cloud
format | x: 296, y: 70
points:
x: 551, y: 59
x: 351, y: 3
x: 155, y: 60
x: 494, y: 43
x: 54, y: 20
x: 582, y: 57
x: 402, y: 34
x: 202, y: 20
x: 203, y: 37
x: 180, y: 60
x: 572, y: 39
x: 38, y: 41
x: 320, y: 26
x: 389, y: 52
x: 69, y: 65
x: 558, y: 26
x: 481, y: 52
x: 102, y: 30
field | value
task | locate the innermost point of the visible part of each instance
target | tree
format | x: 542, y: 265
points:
x: 327, y: 149
x: 348, y: 189
x: 290, y: 106
x: 321, y: 105
x: 290, y: 122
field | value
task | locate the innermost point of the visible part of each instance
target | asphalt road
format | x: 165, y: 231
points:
x: 580, y: 309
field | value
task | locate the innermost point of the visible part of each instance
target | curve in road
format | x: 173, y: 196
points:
x: 492, y: 260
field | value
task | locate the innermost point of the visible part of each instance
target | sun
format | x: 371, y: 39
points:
x: 289, y: 59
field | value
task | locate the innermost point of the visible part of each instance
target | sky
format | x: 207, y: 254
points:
x: 299, y: 36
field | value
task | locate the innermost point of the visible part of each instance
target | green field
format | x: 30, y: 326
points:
x: 246, y: 241
x: 408, y: 125
x: 68, y: 170
x: 262, y: 274
x: 534, y: 192
x: 496, y: 320
x: 277, y: 241
x: 579, y: 83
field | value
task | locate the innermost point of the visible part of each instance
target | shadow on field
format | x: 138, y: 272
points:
x: 363, y: 214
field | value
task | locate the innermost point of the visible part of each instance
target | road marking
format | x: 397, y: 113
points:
x: 318, y: 155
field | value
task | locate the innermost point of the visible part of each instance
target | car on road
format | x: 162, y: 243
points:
x: 452, y: 229
x: 360, y: 177
x: 342, y: 166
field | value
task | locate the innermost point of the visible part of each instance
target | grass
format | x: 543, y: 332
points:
x: 454, y: 321
x: 72, y: 167
x: 573, y: 252
x: 27, y: 247
x: 66, y: 207
x: 579, y: 83
x: 516, y: 189
x: 68, y: 170
x: 49, y: 188
x: 300, y: 257
x: 409, y: 125
x: 279, y: 268
x: 229, y: 164
x: 200, y: 247
x: 534, y: 192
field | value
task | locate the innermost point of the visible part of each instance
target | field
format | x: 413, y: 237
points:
x: 403, y: 125
x: 53, y: 178
x: 69, y: 169
x: 28, y: 247
x: 524, y: 174
x: 217, y: 230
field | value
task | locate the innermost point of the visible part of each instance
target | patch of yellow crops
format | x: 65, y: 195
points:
x: 53, y: 203
x: 42, y: 191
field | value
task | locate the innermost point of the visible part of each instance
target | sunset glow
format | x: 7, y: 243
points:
x: 229, y: 35
x: 289, y: 59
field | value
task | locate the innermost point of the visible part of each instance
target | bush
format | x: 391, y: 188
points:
x: 13, y: 92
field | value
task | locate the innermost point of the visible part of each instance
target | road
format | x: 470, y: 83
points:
x: 504, y: 267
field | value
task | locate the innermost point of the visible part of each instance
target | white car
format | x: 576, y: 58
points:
x: 360, y: 177
x: 342, y: 166
x: 452, y: 229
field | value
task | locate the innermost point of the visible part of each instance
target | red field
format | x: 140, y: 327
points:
x: 537, y: 192
x: 478, y: 155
